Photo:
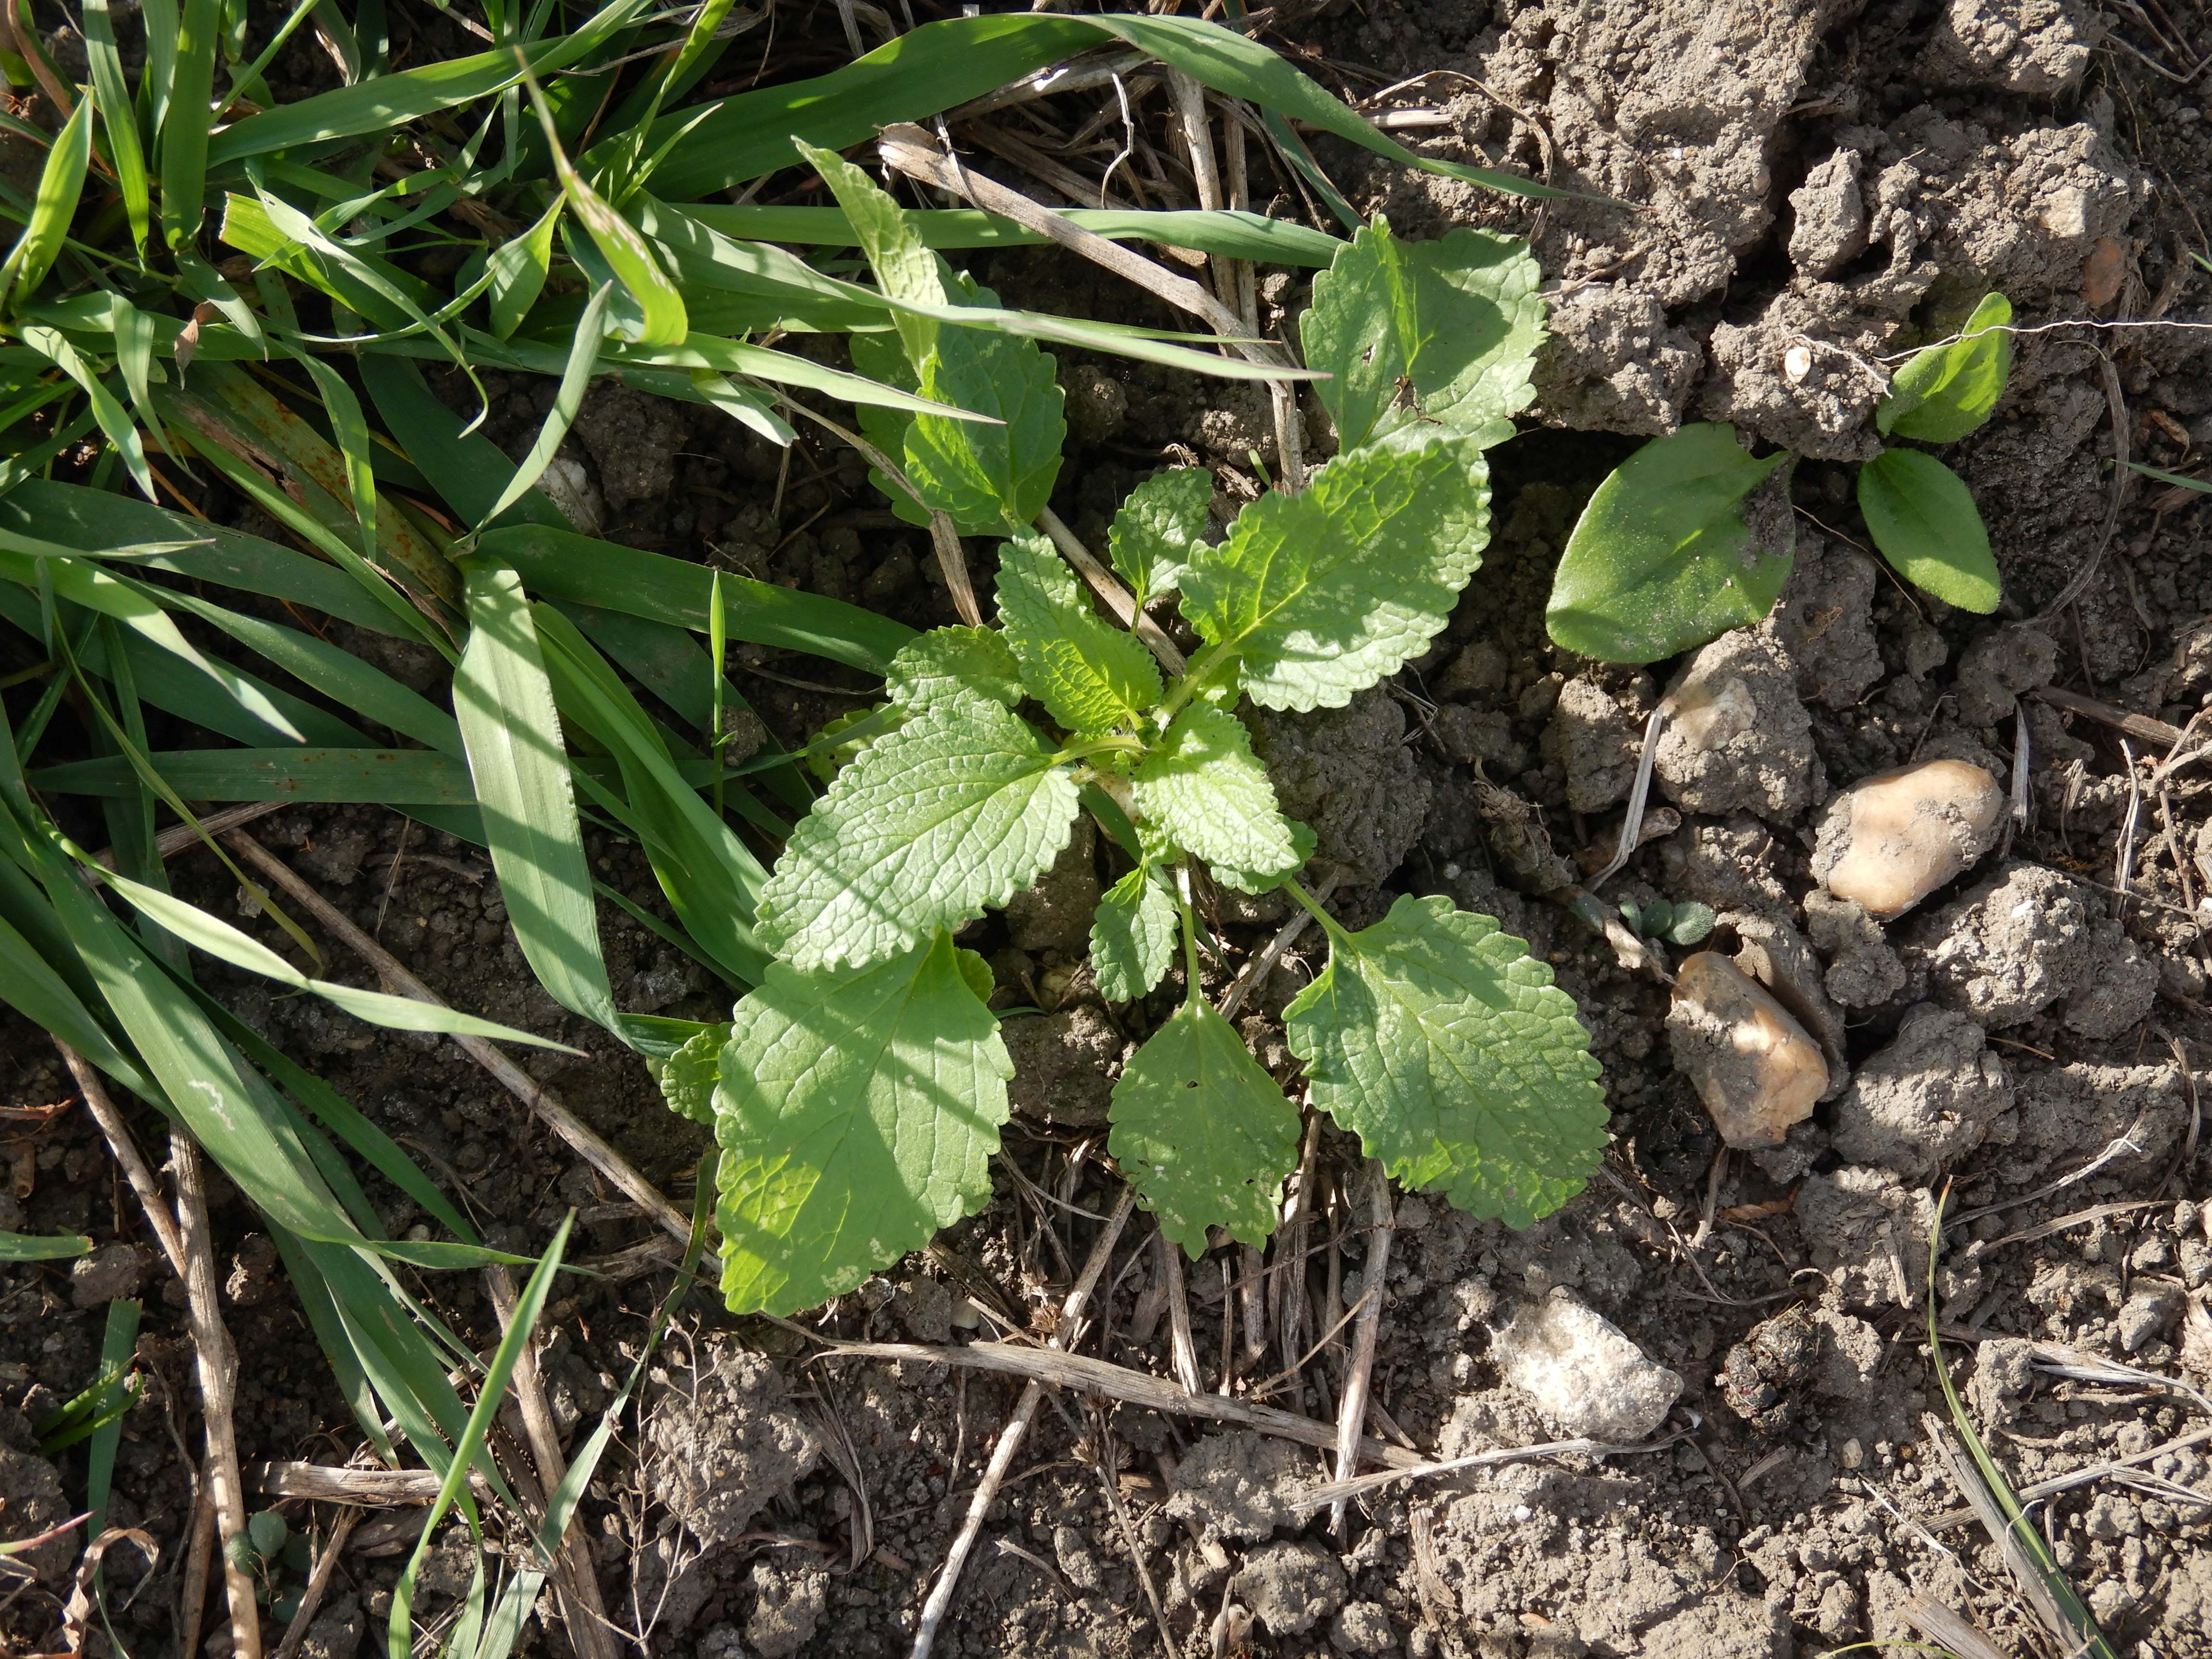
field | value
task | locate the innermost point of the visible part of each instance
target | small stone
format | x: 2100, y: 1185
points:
x: 1925, y: 1100
x: 1363, y: 1627
x: 1752, y: 1064
x: 1893, y: 839
x: 2012, y: 946
x: 1737, y: 739
x: 2149, y: 1313
x: 110, y: 1274
x: 1583, y: 1372
x: 2116, y: 990
x: 1853, y: 1456
x: 1594, y: 743
x: 1290, y: 1587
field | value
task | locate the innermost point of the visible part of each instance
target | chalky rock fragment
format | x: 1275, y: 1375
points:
x: 1752, y: 1064
x: 1893, y: 839
x: 1583, y: 1373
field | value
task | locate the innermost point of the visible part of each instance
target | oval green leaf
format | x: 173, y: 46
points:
x: 1923, y: 518
x: 1946, y: 392
x: 1662, y: 559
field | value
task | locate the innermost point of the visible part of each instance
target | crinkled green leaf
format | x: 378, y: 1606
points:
x: 1923, y: 518
x: 1267, y: 881
x: 905, y: 266
x: 1092, y: 675
x: 1155, y: 527
x: 961, y: 807
x: 1947, y: 390
x: 1448, y: 329
x: 687, y: 1078
x: 1202, y: 1131
x: 1209, y: 795
x: 989, y: 478
x: 1322, y: 595
x: 1662, y: 559
x: 1133, y: 936
x: 947, y: 662
x: 858, y: 1111
x: 1445, y: 1047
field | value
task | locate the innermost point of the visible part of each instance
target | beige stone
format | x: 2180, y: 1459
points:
x: 1752, y: 1064
x: 1896, y: 837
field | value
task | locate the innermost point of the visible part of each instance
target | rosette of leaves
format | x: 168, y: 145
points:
x: 859, y: 1090
x: 1665, y: 555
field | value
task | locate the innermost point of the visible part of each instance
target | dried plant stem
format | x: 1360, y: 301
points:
x: 1112, y: 1382
x: 1351, y: 1407
x: 135, y: 1170
x: 371, y: 1488
x: 1183, y: 1349
x: 1116, y: 598
x: 543, y: 1103
x: 318, y: 1582
x: 199, y: 1551
x: 217, y: 1362
x: 1290, y: 1281
x: 1017, y: 1427
x: 576, y: 1578
x: 910, y: 151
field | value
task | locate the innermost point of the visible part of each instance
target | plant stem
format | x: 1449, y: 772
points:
x: 1312, y: 908
x: 1194, y: 680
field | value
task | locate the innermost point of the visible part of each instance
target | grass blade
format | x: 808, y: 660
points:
x: 1236, y: 235
x: 395, y: 777
x: 519, y: 269
x: 567, y: 399
x: 113, y: 422
x: 183, y: 129
x: 219, y: 940
x: 520, y: 766
x: 528, y: 1309
x: 61, y: 184
x: 118, y: 119
x: 560, y: 564
x: 387, y: 101
x: 27, y: 1247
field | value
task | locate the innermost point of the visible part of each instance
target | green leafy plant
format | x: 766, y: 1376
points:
x: 861, y: 1087
x: 1673, y: 921
x: 1663, y: 557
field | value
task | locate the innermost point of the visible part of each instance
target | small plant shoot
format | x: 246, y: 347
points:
x: 859, y: 1092
x: 1664, y: 559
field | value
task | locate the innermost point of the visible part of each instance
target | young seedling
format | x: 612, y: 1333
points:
x: 1664, y: 559
x: 860, y: 1090
x: 1681, y: 921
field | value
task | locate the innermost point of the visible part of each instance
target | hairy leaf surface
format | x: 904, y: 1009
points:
x: 1662, y: 558
x: 857, y: 1111
x: 1444, y: 1045
x: 1456, y: 322
x: 1947, y: 390
x: 1202, y: 1131
x: 1923, y: 517
x: 1322, y: 594
x: 961, y: 807
x: 1155, y: 527
x: 1133, y: 936
x: 947, y: 663
x: 1092, y: 676
x: 687, y: 1078
x: 1209, y: 795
